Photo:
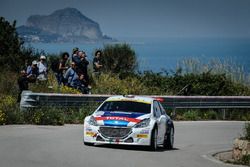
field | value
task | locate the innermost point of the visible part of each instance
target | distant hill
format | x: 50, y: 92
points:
x: 65, y: 25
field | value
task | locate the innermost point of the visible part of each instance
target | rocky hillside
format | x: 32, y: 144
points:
x: 65, y: 25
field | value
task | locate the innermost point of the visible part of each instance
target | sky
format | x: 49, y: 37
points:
x: 147, y: 18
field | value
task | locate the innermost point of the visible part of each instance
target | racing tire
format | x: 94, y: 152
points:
x: 153, y: 140
x: 88, y: 144
x: 169, y: 139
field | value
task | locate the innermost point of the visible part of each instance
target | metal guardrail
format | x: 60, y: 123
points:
x: 209, y: 102
x: 30, y: 99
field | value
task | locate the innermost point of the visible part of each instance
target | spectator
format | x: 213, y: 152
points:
x: 75, y: 54
x: 71, y: 76
x: 82, y: 67
x: 23, y: 84
x: 97, y: 63
x: 43, y: 69
x: 62, y: 68
x: 32, y: 72
x: 82, y: 85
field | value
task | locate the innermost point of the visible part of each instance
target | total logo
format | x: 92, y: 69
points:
x: 117, y: 118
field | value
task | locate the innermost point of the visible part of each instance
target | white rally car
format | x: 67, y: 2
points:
x: 130, y: 120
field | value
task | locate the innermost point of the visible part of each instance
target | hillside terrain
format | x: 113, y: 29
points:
x: 65, y: 25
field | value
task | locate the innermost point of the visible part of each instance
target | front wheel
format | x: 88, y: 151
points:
x: 169, y: 139
x: 153, y: 141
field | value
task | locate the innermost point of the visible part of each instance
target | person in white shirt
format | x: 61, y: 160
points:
x: 43, y: 69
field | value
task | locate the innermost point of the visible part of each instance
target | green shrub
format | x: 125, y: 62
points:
x: 47, y: 116
x: 247, y: 131
x: 72, y: 116
x: 208, y: 115
x: 245, y: 160
x: 2, y: 117
x: 9, y: 111
x: 83, y: 112
x: 156, y: 83
x: 233, y: 71
x: 77, y: 115
x: 191, y: 115
x: 8, y: 84
x: 112, y: 84
x: 238, y: 114
x: 119, y: 59
x: 245, y: 116
x: 14, y: 116
x: 52, y: 115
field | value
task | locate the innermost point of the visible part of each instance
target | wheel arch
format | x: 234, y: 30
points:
x: 170, y: 124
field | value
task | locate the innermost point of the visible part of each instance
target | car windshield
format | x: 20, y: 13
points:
x: 126, y: 106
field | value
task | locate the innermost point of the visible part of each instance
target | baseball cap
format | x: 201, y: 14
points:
x: 34, y: 62
x: 42, y: 57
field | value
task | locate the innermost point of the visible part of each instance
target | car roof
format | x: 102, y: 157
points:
x: 142, y: 99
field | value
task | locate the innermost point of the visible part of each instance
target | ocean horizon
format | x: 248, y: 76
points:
x: 158, y: 54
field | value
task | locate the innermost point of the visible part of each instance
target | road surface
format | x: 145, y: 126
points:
x: 62, y: 146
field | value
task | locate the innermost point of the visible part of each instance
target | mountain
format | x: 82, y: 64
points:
x: 65, y: 25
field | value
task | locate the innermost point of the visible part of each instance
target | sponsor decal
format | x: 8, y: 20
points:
x: 120, y: 118
x: 99, y: 113
x: 142, y: 136
x: 115, y: 118
x: 115, y: 123
x: 145, y: 131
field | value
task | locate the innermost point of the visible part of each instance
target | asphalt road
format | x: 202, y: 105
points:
x: 61, y: 146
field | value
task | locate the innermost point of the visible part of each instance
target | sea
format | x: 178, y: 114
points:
x: 166, y: 54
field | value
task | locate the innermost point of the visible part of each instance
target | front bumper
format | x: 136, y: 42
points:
x: 136, y: 136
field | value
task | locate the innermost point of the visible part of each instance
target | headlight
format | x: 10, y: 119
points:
x: 92, y: 121
x: 144, y: 123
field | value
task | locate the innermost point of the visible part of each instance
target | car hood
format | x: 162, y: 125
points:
x: 123, y: 119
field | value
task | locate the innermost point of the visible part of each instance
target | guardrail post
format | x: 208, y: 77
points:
x: 223, y: 113
x: 173, y: 114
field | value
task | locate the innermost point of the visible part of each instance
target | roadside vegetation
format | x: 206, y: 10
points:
x: 120, y: 75
x: 244, y: 159
x: 247, y: 131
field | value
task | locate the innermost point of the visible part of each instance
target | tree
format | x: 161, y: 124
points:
x: 119, y: 59
x: 13, y: 54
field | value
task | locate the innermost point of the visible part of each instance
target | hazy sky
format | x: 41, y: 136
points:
x: 147, y: 18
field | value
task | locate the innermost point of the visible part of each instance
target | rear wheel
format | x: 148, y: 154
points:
x: 169, y: 139
x: 153, y: 141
